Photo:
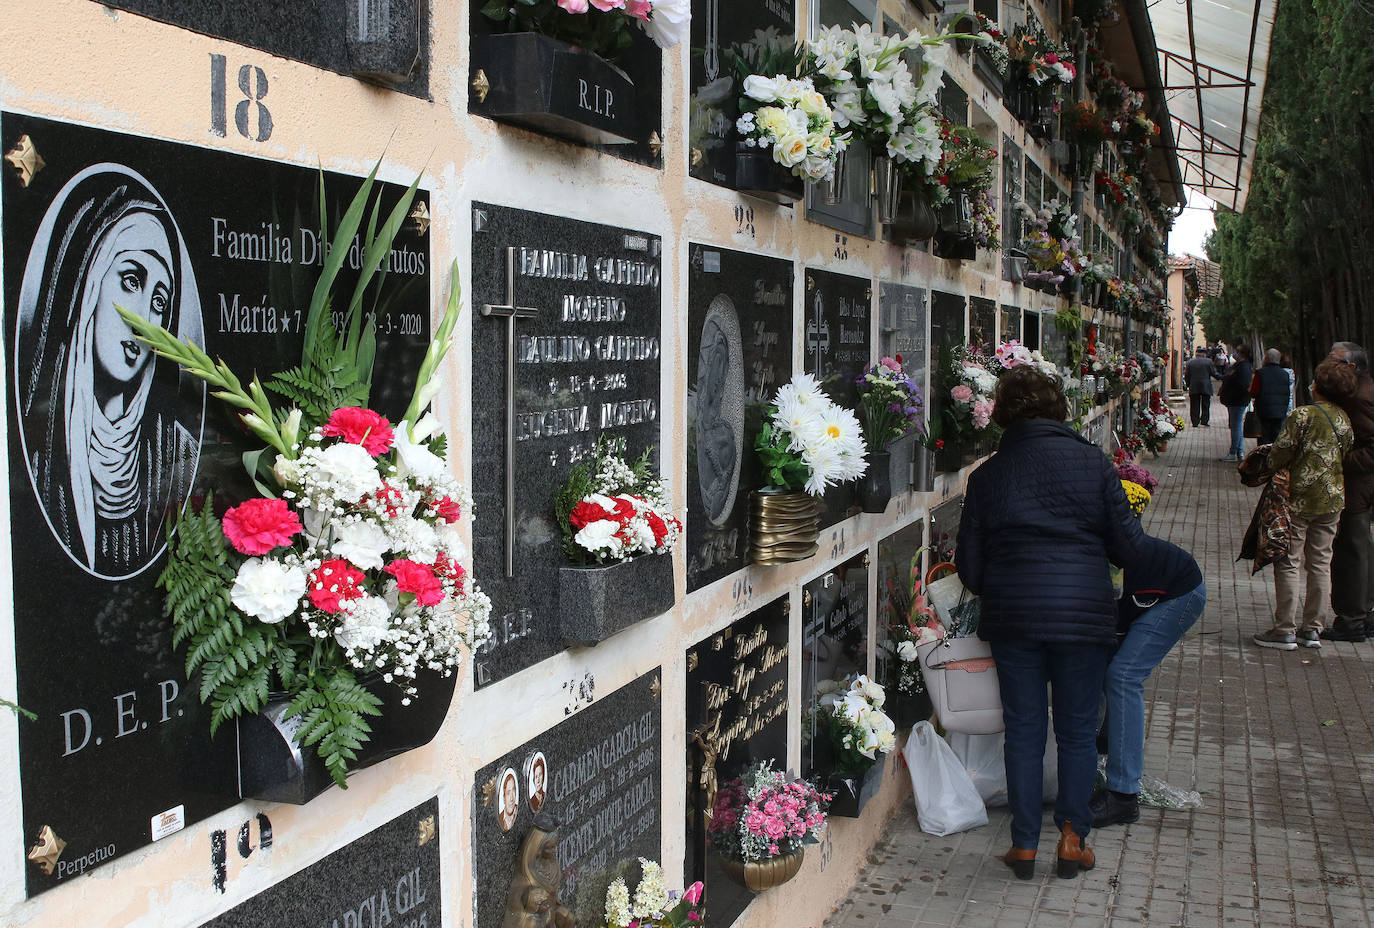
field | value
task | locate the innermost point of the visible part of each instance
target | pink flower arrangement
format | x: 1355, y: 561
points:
x: 766, y: 814
x: 258, y: 525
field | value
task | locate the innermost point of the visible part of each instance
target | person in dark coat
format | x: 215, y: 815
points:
x: 1235, y: 396
x: 1044, y: 518
x: 1163, y: 595
x: 1198, y: 375
x: 1352, y: 557
x: 1271, y: 400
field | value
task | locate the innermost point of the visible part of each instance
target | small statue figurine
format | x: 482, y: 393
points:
x: 533, y: 900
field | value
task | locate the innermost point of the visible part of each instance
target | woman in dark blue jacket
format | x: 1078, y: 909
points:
x: 1044, y: 518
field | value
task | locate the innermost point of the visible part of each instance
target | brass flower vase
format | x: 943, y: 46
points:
x: 761, y: 876
x: 784, y: 526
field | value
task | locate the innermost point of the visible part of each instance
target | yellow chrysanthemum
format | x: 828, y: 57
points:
x: 1137, y: 496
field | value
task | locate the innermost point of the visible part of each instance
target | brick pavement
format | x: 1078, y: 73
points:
x: 1278, y: 744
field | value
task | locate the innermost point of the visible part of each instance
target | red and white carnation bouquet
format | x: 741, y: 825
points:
x: 611, y: 510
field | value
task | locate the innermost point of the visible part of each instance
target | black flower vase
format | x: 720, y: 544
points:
x: 876, y: 489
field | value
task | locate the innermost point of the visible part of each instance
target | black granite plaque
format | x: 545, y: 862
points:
x: 717, y: 26
x: 836, y: 309
x: 736, y: 715
x: 386, y: 41
x: 593, y: 782
x: 1054, y: 340
x: 106, y: 443
x: 982, y: 324
x: 834, y: 638
x: 1030, y: 330
x: 586, y: 349
x: 944, y: 530
x: 901, y: 576
x: 739, y: 345
x: 389, y: 876
x: 902, y: 328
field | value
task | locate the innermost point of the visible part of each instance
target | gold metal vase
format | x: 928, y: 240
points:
x: 784, y: 526
x: 760, y: 876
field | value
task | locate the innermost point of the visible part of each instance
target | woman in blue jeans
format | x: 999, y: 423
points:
x: 1163, y: 596
x: 1043, y: 520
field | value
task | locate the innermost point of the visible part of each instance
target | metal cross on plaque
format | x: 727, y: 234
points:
x: 510, y: 312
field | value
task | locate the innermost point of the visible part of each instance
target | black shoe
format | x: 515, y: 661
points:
x: 1342, y: 634
x: 1112, y: 808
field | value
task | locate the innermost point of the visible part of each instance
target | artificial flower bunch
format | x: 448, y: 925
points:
x: 865, y: 77
x: 651, y: 905
x: 766, y: 814
x: 1112, y: 186
x: 983, y: 217
x: 1156, y: 427
x: 1011, y: 354
x: 974, y: 382
x: 1088, y: 125
x: 612, y: 510
x: 890, y: 402
x: 1031, y: 53
x: 807, y: 442
x: 851, y: 720
x: 788, y: 118
x: 1051, y: 242
x: 603, y: 27
x: 1127, y: 469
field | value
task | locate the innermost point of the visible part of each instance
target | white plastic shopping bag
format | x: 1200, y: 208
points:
x: 946, y: 800
x: 984, y: 759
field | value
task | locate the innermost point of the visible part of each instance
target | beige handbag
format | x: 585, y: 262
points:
x: 962, y: 682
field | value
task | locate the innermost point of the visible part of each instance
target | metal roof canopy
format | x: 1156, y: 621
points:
x: 1213, y: 55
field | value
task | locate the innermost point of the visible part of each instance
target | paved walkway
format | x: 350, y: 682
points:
x: 1278, y: 743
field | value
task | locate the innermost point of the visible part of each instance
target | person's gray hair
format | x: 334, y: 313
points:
x: 1273, y: 356
x: 1200, y: 349
x: 1355, y: 353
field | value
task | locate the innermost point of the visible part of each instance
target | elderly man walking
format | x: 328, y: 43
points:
x: 1352, y: 557
x: 1198, y: 374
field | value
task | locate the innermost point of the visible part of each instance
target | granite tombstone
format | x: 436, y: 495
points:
x: 389, y: 876
x: 552, y: 842
x: 944, y: 530
x: 982, y: 324
x: 836, y: 309
x: 1011, y: 324
x: 736, y: 715
x: 717, y: 27
x: 739, y: 321
x: 902, y: 335
x: 107, y: 443
x: 567, y: 315
x: 835, y: 642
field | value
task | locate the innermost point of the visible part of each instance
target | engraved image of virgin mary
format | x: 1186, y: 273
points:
x: 719, y: 397
x: 111, y: 434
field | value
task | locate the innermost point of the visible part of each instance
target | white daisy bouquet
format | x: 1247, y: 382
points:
x: 651, y: 905
x: 780, y: 111
x: 345, y: 569
x: 611, y: 510
x: 866, y: 79
x: 808, y: 442
x: 850, y: 717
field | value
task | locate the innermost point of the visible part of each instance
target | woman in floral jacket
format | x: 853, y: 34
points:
x: 1310, y: 445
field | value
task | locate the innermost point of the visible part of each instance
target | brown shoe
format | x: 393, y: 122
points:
x: 1021, y: 861
x: 1073, y: 854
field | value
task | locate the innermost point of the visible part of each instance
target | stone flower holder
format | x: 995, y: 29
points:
x: 757, y: 174
x: 274, y: 768
x: 763, y: 875
x: 540, y: 83
x: 784, y: 526
x: 875, y: 486
x: 849, y: 795
x: 596, y: 602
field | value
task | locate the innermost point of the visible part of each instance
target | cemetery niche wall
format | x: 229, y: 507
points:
x: 561, y: 816
x: 739, y: 350
x: 107, y: 443
x: 737, y: 699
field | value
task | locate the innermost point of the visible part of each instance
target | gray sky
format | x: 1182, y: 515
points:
x: 1192, y: 227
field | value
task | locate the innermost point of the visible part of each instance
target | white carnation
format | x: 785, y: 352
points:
x: 267, y: 589
x: 346, y: 471
x: 906, y: 650
x: 366, y: 623
x: 362, y: 543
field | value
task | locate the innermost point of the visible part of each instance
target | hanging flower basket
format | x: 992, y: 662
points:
x: 596, y: 602
x: 540, y: 83
x: 273, y: 767
x: 762, y: 875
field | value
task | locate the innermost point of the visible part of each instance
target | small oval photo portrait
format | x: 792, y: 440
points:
x: 536, y: 780
x: 508, y: 803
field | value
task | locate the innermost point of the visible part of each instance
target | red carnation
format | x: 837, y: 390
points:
x: 658, y: 527
x: 585, y: 513
x: 359, y: 426
x: 259, y: 525
x: 448, y: 569
x: 447, y: 509
x: 412, y: 577
x: 333, y: 582
x: 939, y: 444
x: 624, y: 509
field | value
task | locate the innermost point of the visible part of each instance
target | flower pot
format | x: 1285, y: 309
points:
x: 550, y: 86
x: 1163, y: 447
x: 757, y: 174
x: 596, y: 602
x: 916, y: 220
x: 924, y: 470
x: 953, y: 247
x: 274, y: 768
x: 875, y: 488
x: 383, y: 40
x: 906, y: 709
x: 784, y: 526
x: 900, y: 455
x: 1016, y: 265
x: 832, y: 190
x: 762, y: 875
x: 849, y: 795
x: 887, y: 188
x: 956, y: 216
